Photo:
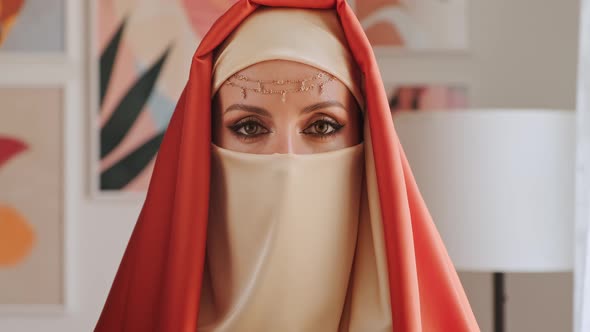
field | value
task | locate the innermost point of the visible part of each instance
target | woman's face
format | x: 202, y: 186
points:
x: 303, y: 123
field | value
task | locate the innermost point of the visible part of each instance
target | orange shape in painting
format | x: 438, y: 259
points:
x: 16, y: 237
x: 9, y: 9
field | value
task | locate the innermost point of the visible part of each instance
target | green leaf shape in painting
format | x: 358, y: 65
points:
x: 128, y: 168
x: 131, y: 105
x: 107, y: 60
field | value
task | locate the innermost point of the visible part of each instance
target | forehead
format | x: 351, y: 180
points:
x: 277, y: 70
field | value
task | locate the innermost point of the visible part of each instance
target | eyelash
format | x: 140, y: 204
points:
x: 335, y: 125
x: 235, y: 128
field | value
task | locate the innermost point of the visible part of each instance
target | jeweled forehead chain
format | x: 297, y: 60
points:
x: 279, y: 87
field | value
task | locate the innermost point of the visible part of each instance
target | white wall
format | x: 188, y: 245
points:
x: 582, y: 238
x: 523, y: 54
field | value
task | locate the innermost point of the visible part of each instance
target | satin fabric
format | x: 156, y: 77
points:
x: 281, y: 240
x: 289, y: 34
x: 158, y: 284
x: 294, y: 244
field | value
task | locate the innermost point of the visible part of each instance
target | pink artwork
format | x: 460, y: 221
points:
x: 145, y: 49
x: 427, y: 98
x: 31, y: 196
x: 17, y: 236
x: 414, y: 25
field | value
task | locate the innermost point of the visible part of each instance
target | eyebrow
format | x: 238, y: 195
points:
x: 263, y: 112
x: 321, y: 105
x: 249, y: 108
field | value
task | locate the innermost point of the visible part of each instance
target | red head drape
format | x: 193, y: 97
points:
x: 157, y: 286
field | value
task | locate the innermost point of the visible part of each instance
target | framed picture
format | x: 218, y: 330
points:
x: 408, y: 25
x: 426, y: 97
x: 32, y: 209
x: 142, y: 51
x: 32, y: 26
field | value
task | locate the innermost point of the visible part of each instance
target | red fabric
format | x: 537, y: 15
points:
x: 157, y: 287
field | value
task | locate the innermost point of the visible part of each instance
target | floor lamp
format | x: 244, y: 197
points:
x: 499, y: 185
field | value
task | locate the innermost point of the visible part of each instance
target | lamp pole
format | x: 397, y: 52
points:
x: 499, y: 300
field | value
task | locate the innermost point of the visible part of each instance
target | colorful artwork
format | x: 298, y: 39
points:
x: 32, y: 25
x: 144, y: 51
x: 414, y: 25
x: 427, y: 97
x: 31, y: 199
x: 9, y: 10
x: 16, y: 234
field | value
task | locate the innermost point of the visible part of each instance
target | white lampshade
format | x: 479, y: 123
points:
x: 498, y: 183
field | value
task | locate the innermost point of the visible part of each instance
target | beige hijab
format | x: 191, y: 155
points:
x: 295, y: 242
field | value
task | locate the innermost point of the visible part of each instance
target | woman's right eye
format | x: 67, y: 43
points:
x: 249, y: 128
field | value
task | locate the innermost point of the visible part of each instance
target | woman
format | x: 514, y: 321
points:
x: 298, y: 217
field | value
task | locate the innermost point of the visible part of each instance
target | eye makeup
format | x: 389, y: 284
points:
x: 323, y: 128
x: 248, y: 128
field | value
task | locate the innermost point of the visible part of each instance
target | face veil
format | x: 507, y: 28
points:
x: 159, y: 282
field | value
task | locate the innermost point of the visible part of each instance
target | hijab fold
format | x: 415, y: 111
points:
x: 158, y: 284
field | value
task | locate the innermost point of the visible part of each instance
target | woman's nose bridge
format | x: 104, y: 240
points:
x: 287, y: 135
x: 285, y: 141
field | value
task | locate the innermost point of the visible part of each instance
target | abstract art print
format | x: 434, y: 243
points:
x: 425, y: 25
x: 32, y: 26
x: 143, y: 53
x: 427, y: 97
x: 31, y: 196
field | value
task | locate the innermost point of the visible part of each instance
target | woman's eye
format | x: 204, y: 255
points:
x: 249, y: 128
x: 323, y: 128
